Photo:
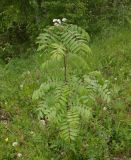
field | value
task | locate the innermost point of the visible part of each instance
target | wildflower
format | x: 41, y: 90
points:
x: 14, y: 144
x: 104, y: 108
x: 6, y: 140
x: 19, y: 155
x: 64, y: 19
x: 43, y: 122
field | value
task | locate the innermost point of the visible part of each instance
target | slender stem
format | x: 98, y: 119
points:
x: 65, y: 77
x: 65, y: 68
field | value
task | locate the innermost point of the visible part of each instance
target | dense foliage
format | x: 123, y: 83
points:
x: 20, y: 18
x: 65, y: 95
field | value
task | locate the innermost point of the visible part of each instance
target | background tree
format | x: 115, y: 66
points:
x: 19, y: 18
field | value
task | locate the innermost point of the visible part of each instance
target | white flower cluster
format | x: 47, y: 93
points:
x: 58, y: 22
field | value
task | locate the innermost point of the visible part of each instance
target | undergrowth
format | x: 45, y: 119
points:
x: 99, y: 128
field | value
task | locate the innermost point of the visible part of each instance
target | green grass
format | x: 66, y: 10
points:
x: 18, y: 80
